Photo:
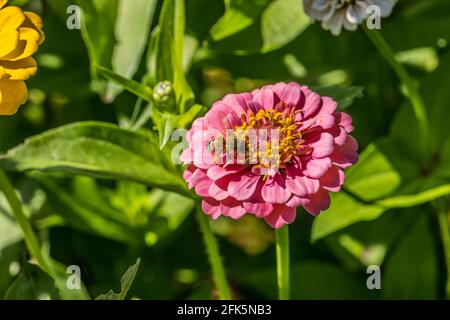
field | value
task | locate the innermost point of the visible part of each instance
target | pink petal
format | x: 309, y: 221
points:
x: 339, y: 134
x: 232, y: 208
x: 197, y: 125
x: 238, y: 102
x: 221, y: 117
x: 296, y: 201
x: 280, y: 216
x: 260, y: 209
x: 201, y: 182
x: 324, y: 147
x: 346, y: 155
x: 187, y: 175
x: 218, y: 189
x: 345, y: 121
x: 242, y: 187
x: 254, y: 106
x: 319, y: 202
x: 326, y: 121
x: 301, y: 185
x: 187, y: 156
x: 312, y: 102
x: 211, y: 207
x: 329, y: 105
x: 218, y: 172
x: 275, y: 190
x: 289, y: 93
x: 333, y: 179
x: 316, y: 168
x: 266, y: 97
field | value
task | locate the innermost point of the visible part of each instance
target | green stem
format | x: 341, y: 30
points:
x: 215, y: 259
x: 442, y: 212
x: 413, y: 93
x: 283, y: 262
x: 31, y: 240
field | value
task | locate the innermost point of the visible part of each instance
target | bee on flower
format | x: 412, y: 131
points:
x: 20, y: 37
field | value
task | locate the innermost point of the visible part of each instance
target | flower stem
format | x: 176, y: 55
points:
x: 283, y: 262
x: 215, y: 259
x: 30, y: 237
x: 442, y: 215
x: 413, y: 93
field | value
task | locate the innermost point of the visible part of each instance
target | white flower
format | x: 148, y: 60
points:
x: 335, y: 14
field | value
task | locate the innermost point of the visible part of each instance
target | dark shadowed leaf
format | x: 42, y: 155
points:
x: 125, y: 284
x: 412, y: 270
x: 343, y: 96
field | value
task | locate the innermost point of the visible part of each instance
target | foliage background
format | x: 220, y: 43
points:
x: 384, y: 217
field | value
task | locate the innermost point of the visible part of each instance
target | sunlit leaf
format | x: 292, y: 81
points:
x: 99, y: 150
x: 134, y: 18
x: 132, y: 86
x: 344, y: 211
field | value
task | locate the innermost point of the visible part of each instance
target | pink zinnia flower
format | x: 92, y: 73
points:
x: 315, y: 146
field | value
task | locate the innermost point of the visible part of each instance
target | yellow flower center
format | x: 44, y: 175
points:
x: 284, y: 138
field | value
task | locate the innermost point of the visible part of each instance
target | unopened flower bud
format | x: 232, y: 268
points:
x: 163, y: 94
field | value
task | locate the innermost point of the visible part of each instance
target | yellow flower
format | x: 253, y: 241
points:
x: 20, y: 37
x: 13, y: 93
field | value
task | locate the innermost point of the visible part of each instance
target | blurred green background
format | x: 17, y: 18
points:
x: 104, y: 226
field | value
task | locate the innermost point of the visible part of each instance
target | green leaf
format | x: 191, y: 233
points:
x: 421, y: 191
x: 282, y: 22
x: 375, y: 175
x: 170, y: 213
x: 385, y: 177
x: 32, y: 198
x: 165, y: 60
x: 32, y: 284
x: 167, y: 122
x: 362, y: 244
x: 344, y: 211
x: 10, y: 232
x: 425, y: 58
x: 60, y: 276
x: 132, y: 86
x: 435, y: 93
x: 412, y: 270
x: 239, y: 15
x: 85, y: 215
x: 115, y: 33
x: 134, y: 19
x: 99, y: 150
x: 9, y: 265
x: 394, y: 171
x: 99, y: 18
x: 258, y: 26
x: 343, y: 96
x: 125, y: 283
